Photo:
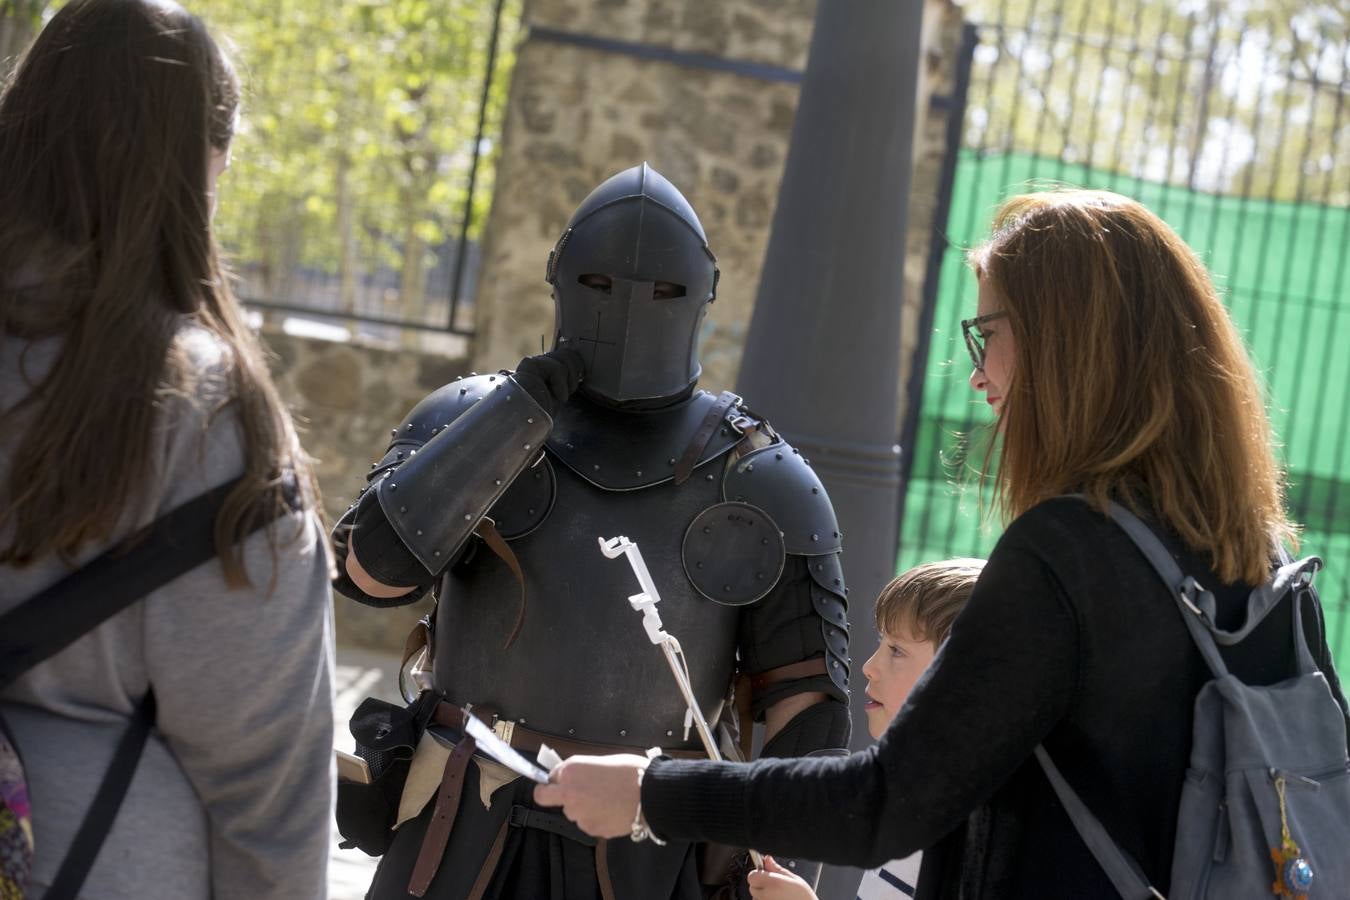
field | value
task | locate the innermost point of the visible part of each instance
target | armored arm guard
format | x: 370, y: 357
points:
x: 795, y: 640
x: 447, y: 463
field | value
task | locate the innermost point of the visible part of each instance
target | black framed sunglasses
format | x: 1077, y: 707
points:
x: 975, y: 340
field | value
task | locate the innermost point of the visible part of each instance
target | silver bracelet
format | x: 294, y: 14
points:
x: 640, y: 830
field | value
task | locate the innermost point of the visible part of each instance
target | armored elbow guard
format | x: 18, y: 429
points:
x: 434, y: 499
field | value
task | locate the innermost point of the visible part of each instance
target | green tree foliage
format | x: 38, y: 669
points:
x: 357, y: 131
x: 1228, y: 96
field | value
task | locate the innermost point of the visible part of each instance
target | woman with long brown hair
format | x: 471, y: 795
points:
x: 1114, y: 374
x: 130, y: 384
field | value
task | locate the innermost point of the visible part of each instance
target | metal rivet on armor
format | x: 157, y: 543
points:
x: 508, y: 396
x: 571, y: 446
x: 671, y: 461
x: 778, y: 456
x: 764, y: 541
x: 412, y: 452
x: 796, y: 451
x: 571, y: 731
x: 699, y: 564
x: 670, y: 733
x: 759, y: 576
x: 419, y: 532
x: 815, y: 490
x: 596, y: 467
x: 403, y: 509
x: 393, y: 432
x: 472, y: 374
x: 707, y: 530
x: 529, y: 420
x: 708, y: 477
x: 497, y: 482
x: 835, y: 663
x: 492, y: 378
x: 818, y: 567
x: 392, y: 486
x: 724, y: 429
x: 400, y: 454
x: 750, y: 468
x: 815, y: 537
x: 410, y: 426
x: 435, y: 553
x: 436, y: 430
x: 468, y: 518
x: 525, y: 447
x: 726, y: 589
x: 520, y: 721
x: 845, y: 592
x: 463, y: 391
x: 792, y: 864
x: 537, y: 476
x: 637, y: 474
x: 530, y: 512
x: 805, y: 460
x: 623, y: 732
x: 837, y: 534
x: 836, y: 581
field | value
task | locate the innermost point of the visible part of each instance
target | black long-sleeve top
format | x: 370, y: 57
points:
x: 1069, y: 639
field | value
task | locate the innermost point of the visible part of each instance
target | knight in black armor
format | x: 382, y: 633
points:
x: 493, y: 492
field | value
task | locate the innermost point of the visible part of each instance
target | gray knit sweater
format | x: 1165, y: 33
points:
x: 233, y: 796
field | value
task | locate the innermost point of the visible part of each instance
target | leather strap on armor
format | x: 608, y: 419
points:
x: 602, y: 869
x: 484, y: 878
x: 804, y: 669
x: 553, y: 823
x: 442, y: 819
x: 528, y: 741
x: 716, y: 413
x: 487, y: 530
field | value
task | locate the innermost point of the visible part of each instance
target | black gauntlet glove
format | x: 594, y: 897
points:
x: 551, y: 378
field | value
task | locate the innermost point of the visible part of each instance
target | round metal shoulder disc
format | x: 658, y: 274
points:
x: 733, y: 553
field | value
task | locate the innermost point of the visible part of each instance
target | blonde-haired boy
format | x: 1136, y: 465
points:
x: 914, y: 614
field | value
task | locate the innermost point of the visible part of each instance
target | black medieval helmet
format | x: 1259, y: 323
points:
x: 632, y: 277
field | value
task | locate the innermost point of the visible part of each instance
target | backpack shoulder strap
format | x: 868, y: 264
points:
x: 1125, y: 874
x: 174, y: 544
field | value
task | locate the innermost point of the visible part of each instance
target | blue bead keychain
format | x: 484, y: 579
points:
x: 1293, y: 873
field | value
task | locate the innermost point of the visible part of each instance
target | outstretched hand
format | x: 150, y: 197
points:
x: 774, y: 882
x: 599, y: 793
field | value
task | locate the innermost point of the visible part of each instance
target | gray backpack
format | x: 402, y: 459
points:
x: 1265, y: 808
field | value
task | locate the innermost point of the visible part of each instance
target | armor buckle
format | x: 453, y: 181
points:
x: 504, y: 728
x: 740, y: 423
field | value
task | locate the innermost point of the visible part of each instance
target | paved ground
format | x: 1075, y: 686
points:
x: 360, y: 674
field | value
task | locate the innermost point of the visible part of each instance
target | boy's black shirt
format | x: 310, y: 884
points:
x: 1069, y: 639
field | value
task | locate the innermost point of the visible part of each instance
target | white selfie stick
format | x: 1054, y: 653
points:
x: 645, y: 603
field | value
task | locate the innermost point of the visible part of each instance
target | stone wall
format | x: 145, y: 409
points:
x: 578, y: 114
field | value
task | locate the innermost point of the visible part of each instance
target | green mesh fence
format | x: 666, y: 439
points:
x: 1282, y: 268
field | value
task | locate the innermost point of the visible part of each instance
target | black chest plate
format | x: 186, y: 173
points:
x: 582, y: 665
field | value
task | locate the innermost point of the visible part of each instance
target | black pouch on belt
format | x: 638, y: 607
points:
x: 386, y: 737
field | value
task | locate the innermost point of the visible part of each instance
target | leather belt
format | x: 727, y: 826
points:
x: 804, y: 669
x: 528, y: 740
x: 525, y: 817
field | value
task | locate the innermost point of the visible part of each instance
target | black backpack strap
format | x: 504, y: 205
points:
x: 102, y: 811
x: 174, y: 544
